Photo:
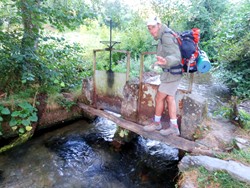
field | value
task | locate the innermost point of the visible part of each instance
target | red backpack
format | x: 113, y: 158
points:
x: 188, y: 44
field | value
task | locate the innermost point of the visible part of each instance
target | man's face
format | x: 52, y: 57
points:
x: 153, y: 29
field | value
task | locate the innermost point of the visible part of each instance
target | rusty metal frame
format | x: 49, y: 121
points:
x: 140, y: 94
x: 94, y: 68
x: 140, y: 81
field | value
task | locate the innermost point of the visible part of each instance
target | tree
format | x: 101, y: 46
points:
x: 205, y: 14
x: 232, y: 43
x: 172, y: 13
x: 20, y: 38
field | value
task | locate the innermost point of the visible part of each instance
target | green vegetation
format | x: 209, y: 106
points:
x: 40, y: 54
x: 218, y: 179
x: 238, y: 155
x: 65, y: 103
x: 33, y: 58
x: 3, y: 112
x: 22, y: 118
x: 123, y: 133
x: 244, y: 119
x: 232, y: 112
x: 224, y: 111
x: 232, y: 48
x: 36, y: 56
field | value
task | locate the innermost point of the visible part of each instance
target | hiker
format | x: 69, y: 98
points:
x: 168, y: 56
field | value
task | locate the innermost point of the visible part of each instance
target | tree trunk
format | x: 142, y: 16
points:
x: 30, y: 19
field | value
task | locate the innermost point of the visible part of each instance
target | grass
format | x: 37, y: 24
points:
x: 218, y: 179
x: 28, y: 95
x: 242, y: 156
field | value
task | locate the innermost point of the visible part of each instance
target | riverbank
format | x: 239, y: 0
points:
x: 231, y: 169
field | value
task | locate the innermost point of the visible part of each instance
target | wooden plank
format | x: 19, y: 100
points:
x: 174, y: 141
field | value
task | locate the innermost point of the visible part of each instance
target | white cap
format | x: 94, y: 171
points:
x: 153, y: 20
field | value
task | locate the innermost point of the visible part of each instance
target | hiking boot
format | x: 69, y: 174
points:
x: 153, y: 126
x: 173, y: 129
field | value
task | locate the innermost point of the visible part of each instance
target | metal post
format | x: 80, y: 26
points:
x: 140, y: 93
x: 94, y: 80
x: 110, y: 44
x: 128, y: 66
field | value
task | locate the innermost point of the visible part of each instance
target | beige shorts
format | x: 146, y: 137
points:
x: 169, y: 88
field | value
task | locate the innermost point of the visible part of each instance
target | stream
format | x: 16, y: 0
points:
x: 81, y: 154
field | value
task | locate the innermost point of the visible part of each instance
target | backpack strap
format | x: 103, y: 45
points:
x: 177, y: 69
x: 167, y: 30
x: 174, y: 34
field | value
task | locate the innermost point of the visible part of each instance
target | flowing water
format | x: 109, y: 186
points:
x: 82, y: 155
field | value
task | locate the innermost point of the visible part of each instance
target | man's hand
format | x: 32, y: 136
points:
x: 160, y: 61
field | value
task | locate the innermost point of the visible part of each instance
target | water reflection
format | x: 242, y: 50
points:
x: 81, y: 155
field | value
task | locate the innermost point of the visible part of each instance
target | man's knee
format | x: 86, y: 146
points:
x: 160, y: 96
x: 170, y: 99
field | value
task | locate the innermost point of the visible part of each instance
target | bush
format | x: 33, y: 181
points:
x: 232, y: 42
x: 56, y: 66
x: 62, y: 65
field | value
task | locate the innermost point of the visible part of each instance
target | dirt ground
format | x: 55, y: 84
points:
x: 220, y: 134
x: 217, y: 134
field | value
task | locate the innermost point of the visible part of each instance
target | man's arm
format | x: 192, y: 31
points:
x: 170, y: 51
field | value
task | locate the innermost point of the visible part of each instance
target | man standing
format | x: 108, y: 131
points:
x: 169, y: 59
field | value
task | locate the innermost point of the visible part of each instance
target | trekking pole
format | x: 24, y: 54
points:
x: 191, y: 80
x: 188, y: 65
x: 191, y: 77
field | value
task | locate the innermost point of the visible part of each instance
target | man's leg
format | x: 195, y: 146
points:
x: 159, y: 107
x: 171, y: 107
x: 159, y: 103
x: 173, y: 129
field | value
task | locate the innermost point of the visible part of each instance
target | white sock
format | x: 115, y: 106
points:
x: 173, y: 121
x: 157, y: 118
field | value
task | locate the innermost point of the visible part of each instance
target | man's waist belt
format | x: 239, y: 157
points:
x: 174, y: 69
